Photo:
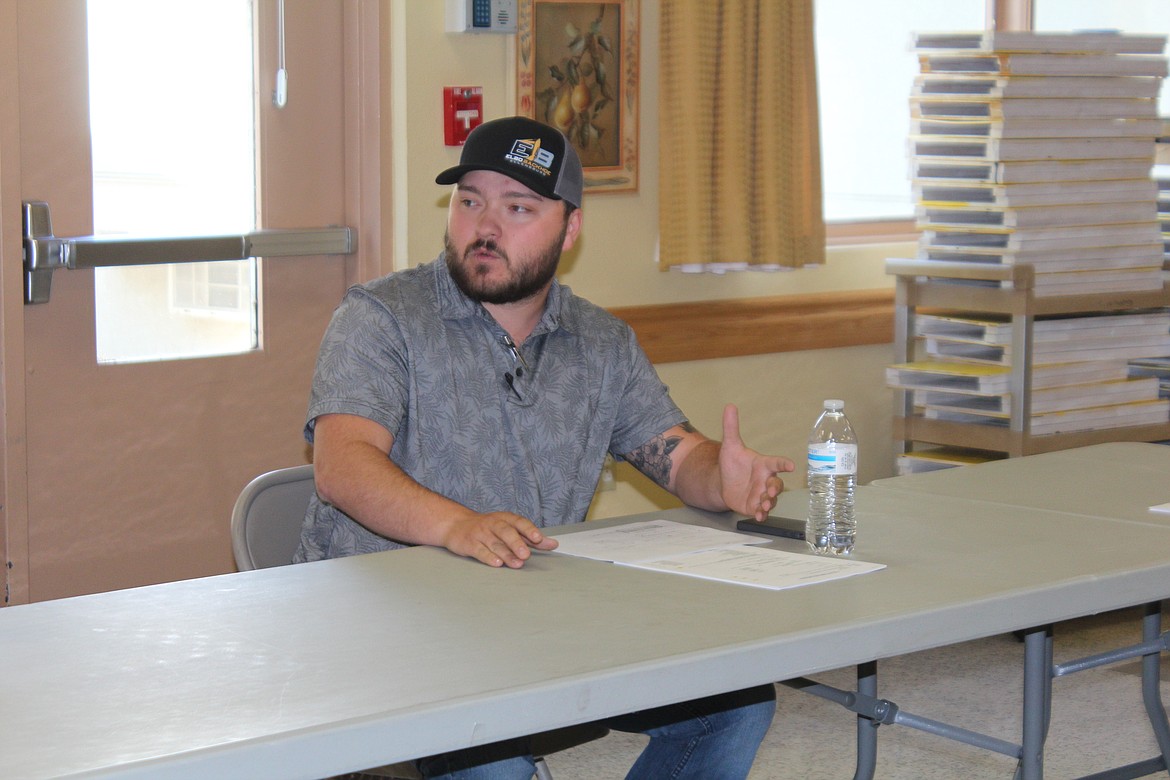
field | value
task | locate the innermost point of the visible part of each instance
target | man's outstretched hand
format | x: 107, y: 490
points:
x: 751, y: 482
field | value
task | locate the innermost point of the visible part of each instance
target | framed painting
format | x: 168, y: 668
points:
x: 577, y: 70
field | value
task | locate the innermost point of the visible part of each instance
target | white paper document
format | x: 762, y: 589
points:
x: 761, y: 567
x: 708, y: 553
x: 1161, y: 508
x: 648, y: 540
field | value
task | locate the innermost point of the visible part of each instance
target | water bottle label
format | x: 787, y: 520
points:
x: 832, y: 458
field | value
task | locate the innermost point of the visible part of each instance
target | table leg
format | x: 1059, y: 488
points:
x: 1151, y: 681
x: 867, y: 728
x: 1037, y: 700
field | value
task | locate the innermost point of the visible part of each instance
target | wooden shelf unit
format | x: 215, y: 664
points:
x: 929, y: 284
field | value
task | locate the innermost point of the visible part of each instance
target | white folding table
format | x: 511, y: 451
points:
x: 1115, y: 481
x: 313, y: 670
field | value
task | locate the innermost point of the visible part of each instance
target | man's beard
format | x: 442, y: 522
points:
x: 523, y: 283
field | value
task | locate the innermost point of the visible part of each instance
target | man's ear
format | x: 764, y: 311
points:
x: 572, y: 229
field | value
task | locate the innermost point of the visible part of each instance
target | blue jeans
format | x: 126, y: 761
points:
x: 715, y: 738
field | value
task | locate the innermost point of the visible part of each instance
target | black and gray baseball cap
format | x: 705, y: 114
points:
x: 534, y: 154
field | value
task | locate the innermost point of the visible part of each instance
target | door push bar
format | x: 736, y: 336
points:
x: 44, y: 253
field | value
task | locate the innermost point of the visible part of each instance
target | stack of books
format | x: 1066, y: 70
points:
x: 1037, y: 148
x: 1158, y: 368
x: 1162, y: 180
x: 938, y: 458
x: 1081, y: 377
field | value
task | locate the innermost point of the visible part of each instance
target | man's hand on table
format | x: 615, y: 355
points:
x: 497, y: 539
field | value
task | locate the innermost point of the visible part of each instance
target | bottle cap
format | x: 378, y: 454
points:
x: 834, y: 404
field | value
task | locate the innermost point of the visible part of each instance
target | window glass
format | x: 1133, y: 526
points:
x: 172, y: 122
x: 865, y: 70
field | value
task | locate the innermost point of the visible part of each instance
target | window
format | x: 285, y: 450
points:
x: 172, y: 121
x: 210, y: 290
x: 865, y: 70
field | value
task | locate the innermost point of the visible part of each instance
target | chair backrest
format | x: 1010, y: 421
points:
x: 267, y: 518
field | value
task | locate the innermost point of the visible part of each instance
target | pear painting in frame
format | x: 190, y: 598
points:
x: 577, y: 66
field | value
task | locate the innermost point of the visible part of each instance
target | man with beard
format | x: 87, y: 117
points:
x: 469, y: 402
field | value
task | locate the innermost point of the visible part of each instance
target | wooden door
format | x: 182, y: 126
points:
x: 116, y: 476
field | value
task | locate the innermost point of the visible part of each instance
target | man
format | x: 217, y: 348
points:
x: 469, y: 402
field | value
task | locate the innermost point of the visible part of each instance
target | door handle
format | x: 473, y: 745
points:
x: 45, y: 253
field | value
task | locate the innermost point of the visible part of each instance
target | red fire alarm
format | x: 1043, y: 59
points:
x: 462, y: 112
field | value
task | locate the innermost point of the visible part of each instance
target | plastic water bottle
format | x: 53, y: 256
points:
x: 832, y: 477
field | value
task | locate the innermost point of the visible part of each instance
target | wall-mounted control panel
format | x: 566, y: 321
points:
x: 498, y: 16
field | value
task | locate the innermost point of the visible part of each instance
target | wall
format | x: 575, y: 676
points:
x: 614, y: 264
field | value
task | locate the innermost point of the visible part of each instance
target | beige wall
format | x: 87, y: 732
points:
x: 614, y: 264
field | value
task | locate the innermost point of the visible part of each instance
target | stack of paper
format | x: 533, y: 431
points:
x: 1019, y: 137
x: 1158, y: 368
x: 1081, y: 377
x: 1163, y: 184
x: 707, y: 553
x: 995, y: 380
x: 937, y: 458
x: 1082, y: 419
x: 988, y: 338
x: 1037, y: 149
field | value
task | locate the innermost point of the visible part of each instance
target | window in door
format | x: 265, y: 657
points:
x: 172, y: 122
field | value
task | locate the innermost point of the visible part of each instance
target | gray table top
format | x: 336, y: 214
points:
x: 311, y: 670
x: 1117, y: 480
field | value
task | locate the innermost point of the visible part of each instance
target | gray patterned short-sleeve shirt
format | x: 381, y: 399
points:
x: 412, y: 353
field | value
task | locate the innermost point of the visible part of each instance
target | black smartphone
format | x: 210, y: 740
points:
x: 788, y: 527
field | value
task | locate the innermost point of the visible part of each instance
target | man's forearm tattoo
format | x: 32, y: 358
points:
x: 654, y: 457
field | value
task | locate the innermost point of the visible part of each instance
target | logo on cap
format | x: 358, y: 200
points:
x: 527, y: 152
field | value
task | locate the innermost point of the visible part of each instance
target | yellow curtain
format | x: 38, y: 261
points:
x: 739, y: 152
